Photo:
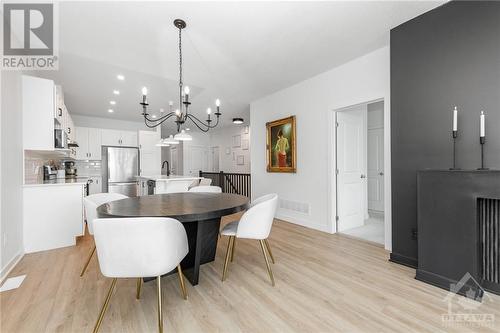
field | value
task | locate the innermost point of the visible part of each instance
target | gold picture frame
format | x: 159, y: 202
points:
x: 281, y: 145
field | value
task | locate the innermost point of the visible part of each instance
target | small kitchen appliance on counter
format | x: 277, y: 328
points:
x: 49, y: 172
x: 70, y: 169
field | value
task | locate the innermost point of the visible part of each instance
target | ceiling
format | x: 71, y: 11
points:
x: 235, y: 51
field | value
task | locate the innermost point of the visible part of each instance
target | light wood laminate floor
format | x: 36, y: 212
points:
x: 324, y: 283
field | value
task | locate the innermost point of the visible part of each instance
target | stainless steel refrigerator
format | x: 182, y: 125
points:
x: 119, y: 169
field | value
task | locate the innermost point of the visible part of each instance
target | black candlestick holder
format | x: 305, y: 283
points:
x: 482, y: 141
x: 454, y: 135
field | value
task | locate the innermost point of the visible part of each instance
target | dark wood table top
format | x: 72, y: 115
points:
x: 185, y: 207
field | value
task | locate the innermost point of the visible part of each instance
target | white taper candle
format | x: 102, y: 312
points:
x: 481, y: 125
x: 455, y: 119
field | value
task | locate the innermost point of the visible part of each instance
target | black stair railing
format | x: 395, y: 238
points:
x: 238, y: 183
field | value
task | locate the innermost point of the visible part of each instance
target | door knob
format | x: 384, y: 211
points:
x: 363, y: 176
x: 381, y: 173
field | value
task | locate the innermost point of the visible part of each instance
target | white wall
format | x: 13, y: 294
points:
x: 11, y: 222
x: 312, y: 101
x: 376, y: 115
x: 223, y: 139
x: 109, y: 123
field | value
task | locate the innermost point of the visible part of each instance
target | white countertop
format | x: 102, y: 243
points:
x: 59, y: 181
x: 166, y: 178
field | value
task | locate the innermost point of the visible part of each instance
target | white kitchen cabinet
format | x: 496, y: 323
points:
x: 95, y: 184
x: 129, y: 139
x: 119, y: 138
x: 95, y: 143
x: 111, y: 137
x: 38, y: 113
x: 52, y: 216
x: 89, y: 143
x: 59, y: 104
x: 150, y: 154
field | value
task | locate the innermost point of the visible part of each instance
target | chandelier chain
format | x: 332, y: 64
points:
x: 180, y: 69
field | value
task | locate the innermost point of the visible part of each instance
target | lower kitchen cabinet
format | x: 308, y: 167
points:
x: 95, y: 185
x: 52, y: 216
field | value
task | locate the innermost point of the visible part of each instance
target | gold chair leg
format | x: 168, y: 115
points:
x: 88, y: 261
x: 139, y: 285
x: 160, y: 313
x: 105, y: 306
x: 232, y: 248
x: 181, y: 281
x: 262, y: 246
x: 228, y: 253
x: 269, y: 250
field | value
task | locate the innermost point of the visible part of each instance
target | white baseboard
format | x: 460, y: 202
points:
x: 302, y: 222
x: 10, y: 266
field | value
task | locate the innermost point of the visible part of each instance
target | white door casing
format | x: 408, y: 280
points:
x: 351, y: 168
x: 376, y: 169
x: 213, y: 161
x: 174, y: 158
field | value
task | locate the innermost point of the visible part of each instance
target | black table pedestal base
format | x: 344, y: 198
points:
x: 202, y: 240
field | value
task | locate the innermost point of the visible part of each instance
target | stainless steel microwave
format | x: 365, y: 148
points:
x: 60, y: 139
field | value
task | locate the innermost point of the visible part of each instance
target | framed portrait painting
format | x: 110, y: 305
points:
x: 281, y: 145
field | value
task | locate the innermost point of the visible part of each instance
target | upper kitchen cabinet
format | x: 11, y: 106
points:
x: 38, y: 113
x: 59, y: 104
x: 119, y: 138
x: 89, y: 143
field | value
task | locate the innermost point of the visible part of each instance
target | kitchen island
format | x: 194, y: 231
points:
x: 159, y: 184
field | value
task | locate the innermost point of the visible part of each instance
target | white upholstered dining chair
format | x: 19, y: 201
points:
x: 255, y: 223
x: 90, y: 204
x: 137, y: 247
x: 206, y: 189
x: 205, y: 182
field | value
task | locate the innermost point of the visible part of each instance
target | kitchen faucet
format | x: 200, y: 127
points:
x: 168, y: 167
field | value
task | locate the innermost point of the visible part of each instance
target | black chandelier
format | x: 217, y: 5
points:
x: 181, y: 114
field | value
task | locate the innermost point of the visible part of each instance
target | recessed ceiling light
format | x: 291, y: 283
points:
x: 153, y: 116
x: 238, y: 120
x: 110, y: 110
x: 120, y: 77
x: 116, y: 92
x: 188, y: 129
x: 112, y: 102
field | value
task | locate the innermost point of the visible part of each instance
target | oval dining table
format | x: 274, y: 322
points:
x: 199, y: 213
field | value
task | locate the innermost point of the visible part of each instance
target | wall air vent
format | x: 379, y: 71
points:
x: 294, y: 206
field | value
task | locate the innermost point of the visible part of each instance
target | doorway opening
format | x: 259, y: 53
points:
x: 360, y: 171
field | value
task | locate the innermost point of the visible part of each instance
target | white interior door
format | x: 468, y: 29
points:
x: 150, y: 153
x: 351, y: 166
x: 376, y: 169
x: 198, y: 159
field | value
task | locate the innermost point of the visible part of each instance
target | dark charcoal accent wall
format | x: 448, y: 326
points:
x: 448, y: 56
